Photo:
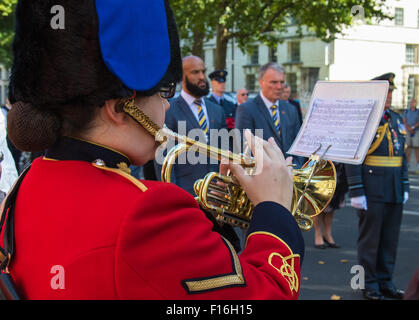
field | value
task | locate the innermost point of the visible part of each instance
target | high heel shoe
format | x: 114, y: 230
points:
x: 331, y: 245
x: 320, y: 246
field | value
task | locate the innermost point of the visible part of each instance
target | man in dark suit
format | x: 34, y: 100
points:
x: 378, y: 188
x: 218, y: 84
x: 277, y: 119
x: 190, y: 114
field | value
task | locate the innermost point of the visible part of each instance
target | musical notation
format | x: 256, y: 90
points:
x: 336, y: 123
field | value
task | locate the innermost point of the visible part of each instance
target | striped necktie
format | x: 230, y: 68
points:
x: 201, y: 115
x: 275, y: 117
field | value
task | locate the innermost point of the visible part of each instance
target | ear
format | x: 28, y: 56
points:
x: 112, y: 114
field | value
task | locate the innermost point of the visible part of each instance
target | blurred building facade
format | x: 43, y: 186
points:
x: 4, y: 84
x: 362, y: 53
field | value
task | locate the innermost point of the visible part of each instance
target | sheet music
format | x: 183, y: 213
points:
x: 339, y: 123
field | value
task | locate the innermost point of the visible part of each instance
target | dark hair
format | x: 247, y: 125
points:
x: 33, y: 129
x: 58, y: 78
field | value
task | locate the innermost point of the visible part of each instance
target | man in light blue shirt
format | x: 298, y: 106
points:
x: 411, y: 122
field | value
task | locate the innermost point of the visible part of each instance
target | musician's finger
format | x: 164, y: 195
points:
x: 239, y: 173
x: 289, y: 164
x: 273, y: 151
x: 224, y: 167
x: 256, y: 145
x: 248, y: 135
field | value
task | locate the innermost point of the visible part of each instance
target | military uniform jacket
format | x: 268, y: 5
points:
x: 380, y: 177
x: 85, y: 229
x: 229, y: 110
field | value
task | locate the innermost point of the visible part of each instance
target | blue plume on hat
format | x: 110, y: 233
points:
x: 134, y: 40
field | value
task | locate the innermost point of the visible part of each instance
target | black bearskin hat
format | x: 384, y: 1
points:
x: 105, y: 50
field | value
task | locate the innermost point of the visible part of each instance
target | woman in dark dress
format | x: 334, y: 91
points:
x: 323, y: 222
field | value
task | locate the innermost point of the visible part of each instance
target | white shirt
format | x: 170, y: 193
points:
x: 269, y: 104
x: 194, y: 108
x: 8, y: 172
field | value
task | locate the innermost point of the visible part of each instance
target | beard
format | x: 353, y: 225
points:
x: 196, y: 90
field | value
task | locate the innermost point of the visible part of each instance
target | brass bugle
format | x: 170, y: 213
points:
x: 313, y: 185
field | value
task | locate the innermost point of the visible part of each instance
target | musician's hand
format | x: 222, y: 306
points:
x: 272, y: 180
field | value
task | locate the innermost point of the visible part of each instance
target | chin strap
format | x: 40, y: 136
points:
x: 148, y: 124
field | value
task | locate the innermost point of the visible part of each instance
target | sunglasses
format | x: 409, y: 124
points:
x: 168, y: 90
x: 244, y: 94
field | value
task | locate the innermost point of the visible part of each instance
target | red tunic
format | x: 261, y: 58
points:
x: 88, y: 232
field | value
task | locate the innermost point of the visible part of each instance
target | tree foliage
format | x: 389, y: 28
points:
x: 194, y: 28
x: 6, y: 30
x: 250, y: 21
x: 247, y: 21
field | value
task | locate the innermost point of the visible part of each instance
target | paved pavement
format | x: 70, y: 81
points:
x: 327, y: 273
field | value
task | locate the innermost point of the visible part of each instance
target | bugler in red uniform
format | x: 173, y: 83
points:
x: 83, y: 227
x: 114, y: 237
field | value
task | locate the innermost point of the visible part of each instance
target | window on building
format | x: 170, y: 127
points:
x: 294, y: 51
x: 313, y: 77
x: 254, y: 57
x: 412, y: 56
x: 399, y: 17
x: 251, y: 82
x: 292, y: 81
x: 309, y: 77
x: 411, y: 88
x: 273, y: 55
x: 418, y: 18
